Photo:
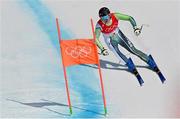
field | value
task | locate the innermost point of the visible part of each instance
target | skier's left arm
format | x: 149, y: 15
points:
x: 125, y: 17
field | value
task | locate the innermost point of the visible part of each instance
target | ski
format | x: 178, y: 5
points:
x: 132, y: 69
x: 138, y: 76
x: 161, y: 76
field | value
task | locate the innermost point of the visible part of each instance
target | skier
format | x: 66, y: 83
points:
x: 113, y: 36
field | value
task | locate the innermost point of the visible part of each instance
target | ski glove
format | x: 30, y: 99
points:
x: 137, y: 31
x: 104, y: 52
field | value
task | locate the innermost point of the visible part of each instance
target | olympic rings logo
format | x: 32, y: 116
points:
x: 78, y: 51
x: 111, y: 28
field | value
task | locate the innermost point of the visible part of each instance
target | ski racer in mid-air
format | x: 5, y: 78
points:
x: 113, y: 36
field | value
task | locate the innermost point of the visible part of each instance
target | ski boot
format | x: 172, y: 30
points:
x: 132, y: 69
x: 152, y: 64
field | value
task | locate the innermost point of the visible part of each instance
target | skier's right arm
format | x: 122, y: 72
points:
x: 98, y: 42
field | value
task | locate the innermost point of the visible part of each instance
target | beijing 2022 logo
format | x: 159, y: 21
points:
x: 78, y: 51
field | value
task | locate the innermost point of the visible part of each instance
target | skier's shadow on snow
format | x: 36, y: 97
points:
x: 43, y: 105
x: 47, y: 103
x: 114, y: 66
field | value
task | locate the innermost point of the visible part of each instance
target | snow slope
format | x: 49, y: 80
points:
x: 32, y: 82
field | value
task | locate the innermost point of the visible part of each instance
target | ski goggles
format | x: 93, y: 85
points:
x: 105, y: 18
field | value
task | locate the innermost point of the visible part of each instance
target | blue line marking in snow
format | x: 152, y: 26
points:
x: 81, y: 82
x: 46, y: 21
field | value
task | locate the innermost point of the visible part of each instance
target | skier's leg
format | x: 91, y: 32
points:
x: 148, y: 59
x: 114, y: 42
x: 138, y: 53
x: 127, y: 44
x: 117, y: 52
x: 128, y: 61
